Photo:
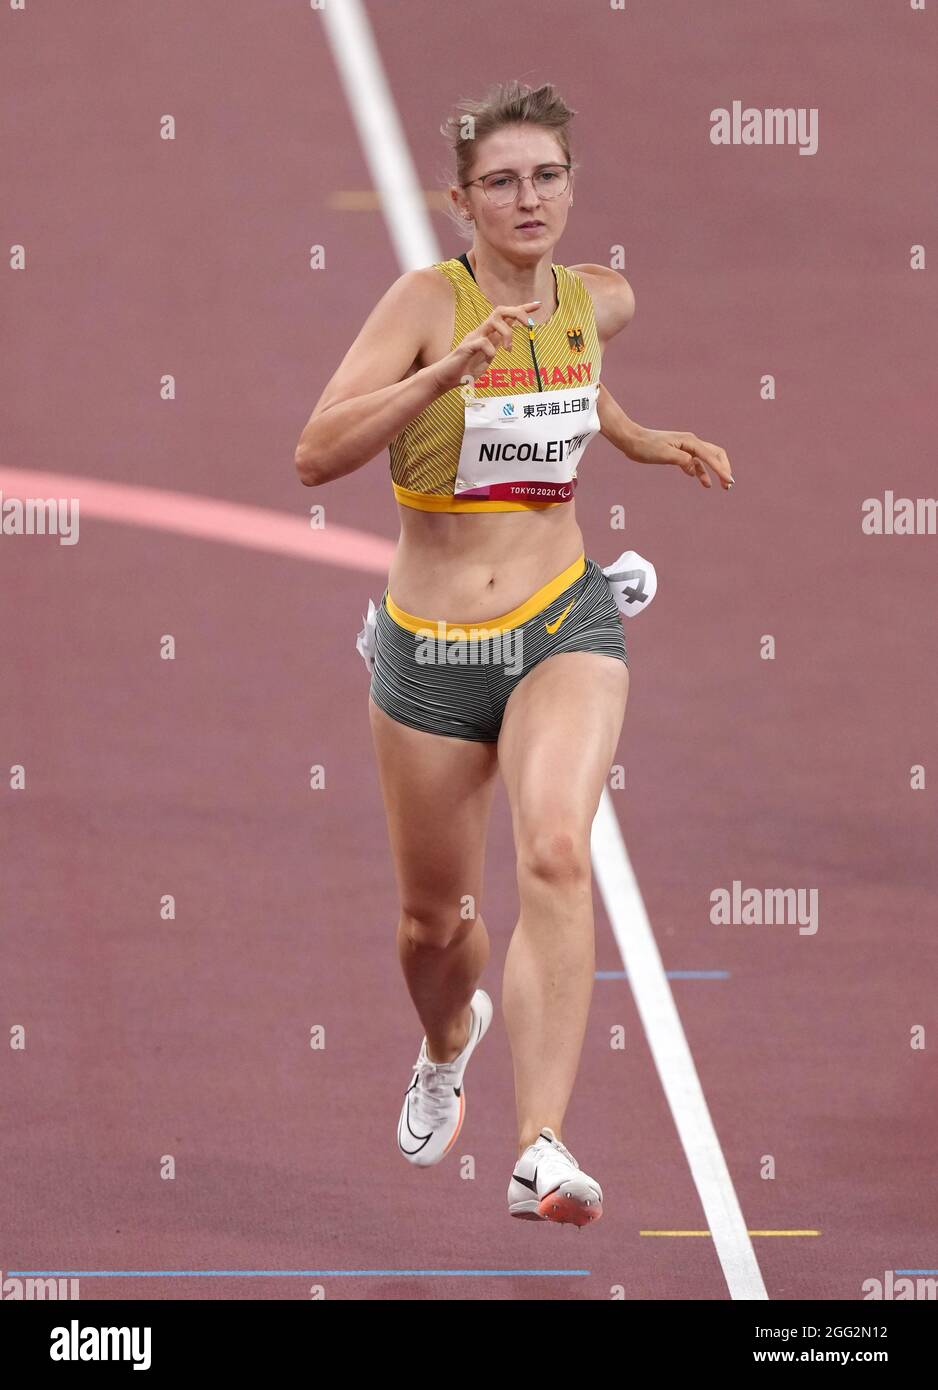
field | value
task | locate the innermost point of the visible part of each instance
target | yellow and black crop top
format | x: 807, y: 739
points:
x: 425, y: 454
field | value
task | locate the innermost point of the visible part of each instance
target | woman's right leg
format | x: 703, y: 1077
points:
x: 437, y: 795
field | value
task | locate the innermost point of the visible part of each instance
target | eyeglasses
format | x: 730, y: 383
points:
x: 501, y: 188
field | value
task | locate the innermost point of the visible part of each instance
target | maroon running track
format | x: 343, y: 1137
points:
x: 190, y: 777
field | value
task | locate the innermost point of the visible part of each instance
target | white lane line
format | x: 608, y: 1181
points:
x: 369, y: 98
x: 379, y: 131
x: 669, y: 1048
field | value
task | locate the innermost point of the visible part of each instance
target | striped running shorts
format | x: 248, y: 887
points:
x: 456, y: 680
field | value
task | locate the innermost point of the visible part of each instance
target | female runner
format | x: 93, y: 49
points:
x: 498, y: 644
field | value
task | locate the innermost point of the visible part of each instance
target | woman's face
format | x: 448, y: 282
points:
x: 520, y: 149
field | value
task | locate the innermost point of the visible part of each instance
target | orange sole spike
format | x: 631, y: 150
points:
x: 569, y: 1210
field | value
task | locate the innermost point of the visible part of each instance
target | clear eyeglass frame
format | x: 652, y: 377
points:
x: 502, y: 188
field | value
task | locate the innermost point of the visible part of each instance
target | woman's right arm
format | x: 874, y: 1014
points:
x: 371, y: 398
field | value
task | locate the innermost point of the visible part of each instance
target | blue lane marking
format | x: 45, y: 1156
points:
x: 671, y: 974
x: 272, y: 1273
x: 915, y: 1271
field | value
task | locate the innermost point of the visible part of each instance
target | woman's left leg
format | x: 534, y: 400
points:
x: 557, y: 742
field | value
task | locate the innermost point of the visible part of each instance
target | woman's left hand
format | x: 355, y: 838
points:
x: 684, y: 449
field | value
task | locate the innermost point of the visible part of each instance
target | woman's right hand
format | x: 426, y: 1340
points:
x: 469, y: 358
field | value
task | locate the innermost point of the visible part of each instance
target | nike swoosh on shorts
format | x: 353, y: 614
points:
x: 552, y: 627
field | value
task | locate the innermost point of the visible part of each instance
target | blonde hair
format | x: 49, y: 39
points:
x: 507, y: 103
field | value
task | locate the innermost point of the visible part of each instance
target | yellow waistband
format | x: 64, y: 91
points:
x: 476, y: 632
x: 445, y: 502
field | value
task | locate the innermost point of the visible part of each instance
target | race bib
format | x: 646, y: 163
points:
x: 526, y: 447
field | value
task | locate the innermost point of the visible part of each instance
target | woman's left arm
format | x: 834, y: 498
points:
x: 614, y: 307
